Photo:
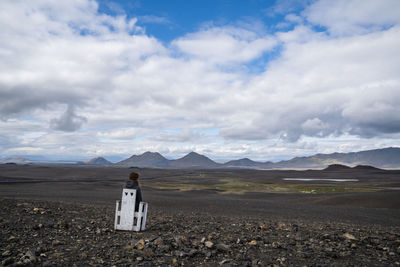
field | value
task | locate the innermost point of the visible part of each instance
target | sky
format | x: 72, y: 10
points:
x: 263, y: 79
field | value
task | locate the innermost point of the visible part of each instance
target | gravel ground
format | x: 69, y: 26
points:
x: 51, y: 233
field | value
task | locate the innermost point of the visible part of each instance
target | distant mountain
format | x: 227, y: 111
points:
x: 194, y: 160
x: 244, y: 163
x: 17, y: 160
x: 366, y: 168
x: 381, y: 158
x: 97, y: 161
x: 378, y: 158
x: 337, y: 167
x: 147, y: 159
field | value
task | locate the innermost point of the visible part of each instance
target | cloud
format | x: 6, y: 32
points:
x: 224, y: 45
x: 344, y: 17
x: 98, y: 84
x: 154, y: 19
x: 69, y: 121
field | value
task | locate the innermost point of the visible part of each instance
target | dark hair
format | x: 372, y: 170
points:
x: 134, y: 176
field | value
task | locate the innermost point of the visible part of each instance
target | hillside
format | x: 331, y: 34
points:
x: 244, y: 163
x: 147, y: 159
x: 194, y: 160
x: 97, y: 161
x: 381, y: 158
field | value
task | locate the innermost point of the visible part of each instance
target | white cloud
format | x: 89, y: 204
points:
x: 224, y: 45
x: 343, y: 17
x: 64, y: 66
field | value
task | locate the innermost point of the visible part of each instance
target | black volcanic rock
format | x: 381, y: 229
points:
x: 147, y: 159
x: 97, y: 161
x: 337, y: 167
x: 194, y: 160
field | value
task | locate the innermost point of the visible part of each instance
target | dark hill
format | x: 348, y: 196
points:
x: 245, y: 162
x: 366, y: 168
x: 194, y: 160
x: 97, y: 161
x: 147, y: 159
x: 337, y: 167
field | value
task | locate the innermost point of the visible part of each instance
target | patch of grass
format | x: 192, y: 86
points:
x: 238, y: 186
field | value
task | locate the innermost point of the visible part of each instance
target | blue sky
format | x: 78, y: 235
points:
x: 267, y: 80
x: 167, y: 20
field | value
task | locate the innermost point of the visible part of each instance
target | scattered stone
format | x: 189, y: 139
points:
x: 349, y: 236
x: 7, y: 261
x: 83, y: 235
x: 209, y: 244
x: 6, y: 253
x: 222, y: 247
x: 140, y: 244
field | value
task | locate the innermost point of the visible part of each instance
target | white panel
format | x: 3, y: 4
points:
x: 125, y: 212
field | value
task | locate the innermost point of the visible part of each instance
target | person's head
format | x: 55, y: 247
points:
x: 134, y: 176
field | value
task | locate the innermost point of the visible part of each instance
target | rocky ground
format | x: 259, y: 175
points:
x: 49, y: 233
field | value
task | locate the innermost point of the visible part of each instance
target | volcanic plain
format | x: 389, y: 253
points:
x: 63, y: 215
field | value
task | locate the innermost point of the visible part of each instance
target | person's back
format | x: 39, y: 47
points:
x: 133, y: 183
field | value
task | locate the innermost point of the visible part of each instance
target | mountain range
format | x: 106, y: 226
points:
x: 382, y: 158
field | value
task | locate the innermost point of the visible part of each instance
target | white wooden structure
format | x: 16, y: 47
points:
x: 125, y: 216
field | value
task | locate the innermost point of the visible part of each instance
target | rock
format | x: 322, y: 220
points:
x: 192, y: 252
x: 28, y: 258
x: 6, y: 253
x: 7, y: 261
x: 209, y: 244
x: 56, y: 242
x: 253, y: 243
x: 349, y: 236
x: 158, y: 241
x: 140, y: 244
x: 223, y: 247
x: 224, y: 261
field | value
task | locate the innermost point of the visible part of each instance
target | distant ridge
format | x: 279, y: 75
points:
x: 97, y: 161
x: 369, y: 159
x: 337, y: 167
x: 147, y: 159
x: 362, y: 160
x: 380, y: 158
x: 244, y: 163
x: 366, y: 168
x: 17, y: 160
x: 194, y: 160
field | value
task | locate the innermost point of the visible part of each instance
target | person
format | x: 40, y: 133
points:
x: 133, y: 183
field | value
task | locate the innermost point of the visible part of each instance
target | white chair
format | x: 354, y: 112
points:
x: 125, y: 216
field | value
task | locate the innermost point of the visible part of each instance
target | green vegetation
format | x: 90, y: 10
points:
x: 238, y: 186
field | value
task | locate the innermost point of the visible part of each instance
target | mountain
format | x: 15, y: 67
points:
x: 147, y: 159
x: 381, y: 158
x: 366, y: 168
x: 97, y: 161
x: 17, y: 160
x: 337, y: 167
x: 244, y: 163
x: 194, y: 160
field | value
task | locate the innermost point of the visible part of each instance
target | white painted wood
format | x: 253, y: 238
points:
x: 125, y: 216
